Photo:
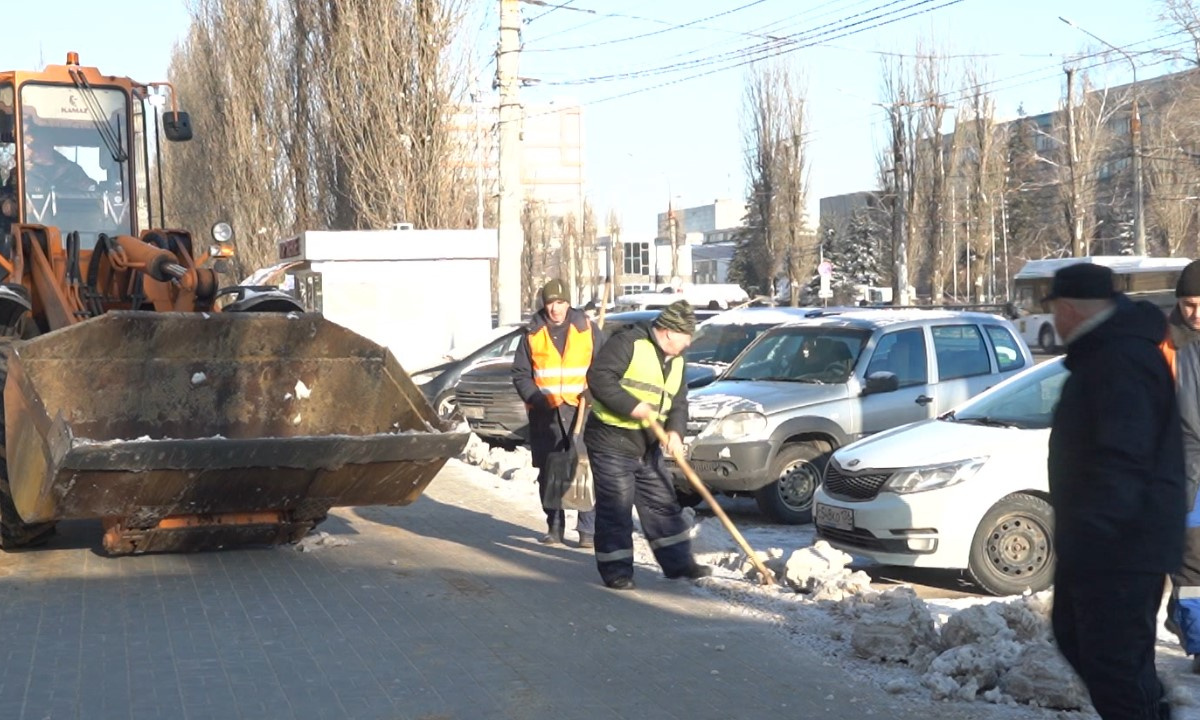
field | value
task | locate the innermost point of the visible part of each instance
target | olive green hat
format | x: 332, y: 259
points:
x: 677, y: 316
x: 554, y: 290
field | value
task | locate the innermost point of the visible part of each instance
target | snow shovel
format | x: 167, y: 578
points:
x: 568, y: 472
x: 768, y: 578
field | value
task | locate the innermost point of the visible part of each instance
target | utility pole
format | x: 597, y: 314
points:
x: 1139, y: 196
x: 899, y: 226
x: 1077, y: 249
x: 510, y: 238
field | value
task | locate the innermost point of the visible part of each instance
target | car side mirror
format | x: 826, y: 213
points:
x: 177, y: 126
x: 881, y: 382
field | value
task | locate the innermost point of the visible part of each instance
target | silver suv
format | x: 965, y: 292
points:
x: 769, y: 423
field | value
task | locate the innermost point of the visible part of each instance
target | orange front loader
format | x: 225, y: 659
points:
x: 130, y: 394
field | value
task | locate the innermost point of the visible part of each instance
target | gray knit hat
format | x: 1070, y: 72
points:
x: 677, y: 316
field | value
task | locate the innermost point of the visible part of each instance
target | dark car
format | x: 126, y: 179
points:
x: 490, y: 404
x: 439, y: 383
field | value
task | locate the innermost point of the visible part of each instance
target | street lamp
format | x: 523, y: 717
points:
x: 1135, y: 138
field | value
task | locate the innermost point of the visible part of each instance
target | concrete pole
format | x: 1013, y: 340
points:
x: 510, y: 238
x: 1077, y: 244
x: 1139, y: 193
x: 899, y: 210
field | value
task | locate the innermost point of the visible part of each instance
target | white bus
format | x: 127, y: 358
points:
x: 1143, y: 278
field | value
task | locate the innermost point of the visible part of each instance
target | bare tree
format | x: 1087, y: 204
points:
x: 985, y: 151
x: 775, y: 232
x: 616, y: 254
x: 1183, y: 15
x: 321, y: 113
x: 937, y: 161
x: 585, y: 253
x: 537, y: 228
x: 1171, y: 152
x: 900, y: 182
x: 1093, y: 142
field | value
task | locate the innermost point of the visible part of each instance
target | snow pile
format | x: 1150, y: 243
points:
x: 957, y: 650
x: 509, y: 464
x: 320, y: 541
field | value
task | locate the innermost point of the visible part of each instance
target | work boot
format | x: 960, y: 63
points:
x: 695, y: 571
x: 586, y: 540
x: 552, y: 537
x: 621, y: 583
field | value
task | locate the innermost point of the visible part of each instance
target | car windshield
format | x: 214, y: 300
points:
x: 720, y: 344
x: 1026, y: 401
x: 800, y: 354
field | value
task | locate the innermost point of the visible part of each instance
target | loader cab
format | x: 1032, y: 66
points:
x: 68, y: 159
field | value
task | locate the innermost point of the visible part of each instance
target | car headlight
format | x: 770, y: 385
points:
x: 933, y: 476
x: 738, y: 425
x: 423, y: 378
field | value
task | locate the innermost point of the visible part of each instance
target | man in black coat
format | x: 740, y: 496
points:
x: 1117, y: 485
x: 549, y: 372
x: 638, y: 377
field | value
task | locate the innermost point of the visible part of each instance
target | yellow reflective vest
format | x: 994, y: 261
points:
x: 644, y: 380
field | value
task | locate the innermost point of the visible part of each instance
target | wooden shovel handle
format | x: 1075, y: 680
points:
x: 767, y: 577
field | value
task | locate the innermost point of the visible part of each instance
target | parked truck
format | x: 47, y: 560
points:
x: 138, y: 390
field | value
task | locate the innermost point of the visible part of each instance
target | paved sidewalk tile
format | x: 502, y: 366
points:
x: 448, y: 609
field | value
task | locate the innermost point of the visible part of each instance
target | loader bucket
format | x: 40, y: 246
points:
x: 189, y: 430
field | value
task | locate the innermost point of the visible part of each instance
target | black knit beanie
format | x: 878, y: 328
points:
x: 677, y: 316
x: 1189, y: 281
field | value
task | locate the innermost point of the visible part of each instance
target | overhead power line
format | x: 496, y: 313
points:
x: 629, y: 38
x: 879, y: 15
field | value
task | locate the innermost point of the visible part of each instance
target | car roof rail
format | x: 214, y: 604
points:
x: 1008, y: 310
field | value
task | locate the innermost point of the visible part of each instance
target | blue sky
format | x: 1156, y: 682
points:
x: 685, y: 139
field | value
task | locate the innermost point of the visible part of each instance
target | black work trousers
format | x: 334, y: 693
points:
x: 621, y: 484
x: 1105, y: 626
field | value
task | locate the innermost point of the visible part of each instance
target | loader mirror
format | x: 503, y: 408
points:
x: 177, y: 126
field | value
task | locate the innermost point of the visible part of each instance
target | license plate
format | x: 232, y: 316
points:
x: 472, y: 412
x: 835, y: 517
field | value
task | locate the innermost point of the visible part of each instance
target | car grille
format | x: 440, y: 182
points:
x: 853, y: 487
x: 483, y: 396
x: 852, y: 538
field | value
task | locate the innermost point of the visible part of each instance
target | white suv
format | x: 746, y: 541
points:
x: 769, y: 423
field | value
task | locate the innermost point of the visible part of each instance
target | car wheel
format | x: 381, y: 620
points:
x: 1046, y: 339
x: 1013, y: 548
x: 797, y: 470
x: 446, y: 406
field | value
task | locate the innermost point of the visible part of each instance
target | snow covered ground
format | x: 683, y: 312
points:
x: 995, y: 653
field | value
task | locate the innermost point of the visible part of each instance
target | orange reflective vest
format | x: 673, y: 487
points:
x: 561, y: 378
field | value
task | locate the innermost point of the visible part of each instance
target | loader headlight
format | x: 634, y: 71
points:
x: 738, y: 425
x: 222, y: 232
x: 932, y: 477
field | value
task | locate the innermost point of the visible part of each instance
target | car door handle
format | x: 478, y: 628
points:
x: 924, y: 400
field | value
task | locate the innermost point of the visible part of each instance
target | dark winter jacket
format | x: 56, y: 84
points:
x: 548, y: 426
x: 1115, y: 457
x: 1179, y: 336
x: 1184, y: 608
x: 604, y: 382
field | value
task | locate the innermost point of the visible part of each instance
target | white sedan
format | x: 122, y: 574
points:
x: 967, y: 490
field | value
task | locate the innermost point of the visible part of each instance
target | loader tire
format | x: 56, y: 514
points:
x: 14, y: 533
